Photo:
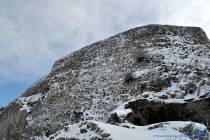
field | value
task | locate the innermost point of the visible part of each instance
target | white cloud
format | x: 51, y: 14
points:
x: 33, y: 34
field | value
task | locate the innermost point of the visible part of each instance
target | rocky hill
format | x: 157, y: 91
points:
x: 139, y: 81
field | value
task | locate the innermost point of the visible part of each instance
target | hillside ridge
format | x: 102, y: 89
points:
x: 132, y: 77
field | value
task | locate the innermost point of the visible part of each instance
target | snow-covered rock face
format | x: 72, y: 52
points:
x: 167, y: 64
x: 26, y: 101
x: 183, y: 67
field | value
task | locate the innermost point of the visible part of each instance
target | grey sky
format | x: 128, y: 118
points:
x: 34, y: 33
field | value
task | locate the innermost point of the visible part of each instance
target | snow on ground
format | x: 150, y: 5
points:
x: 121, y: 111
x: 161, y: 131
x: 25, y: 101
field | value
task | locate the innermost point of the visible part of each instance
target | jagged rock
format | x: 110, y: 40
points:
x: 96, y: 138
x: 83, y: 131
x: 104, y: 135
x: 160, y: 61
x: 160, y: 125
x: 92, y: 126
x: 113, y: 119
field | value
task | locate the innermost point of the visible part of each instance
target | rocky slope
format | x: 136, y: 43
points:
x: 140, y: 77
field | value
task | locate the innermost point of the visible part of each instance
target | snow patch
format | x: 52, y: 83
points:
x: 121, y: 111
x: 25, y: 101
x: 139, y: 73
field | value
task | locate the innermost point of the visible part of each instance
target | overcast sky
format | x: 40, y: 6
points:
x: 34, y: 33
